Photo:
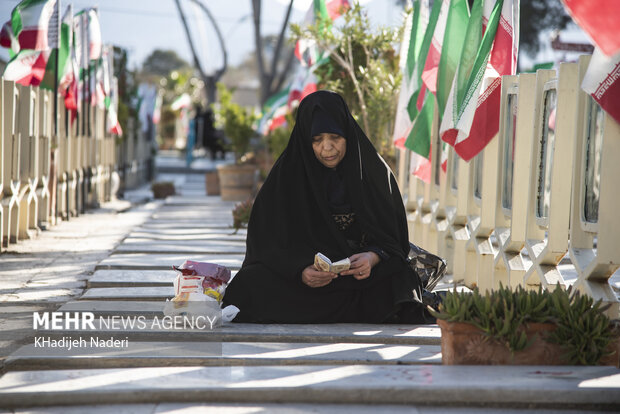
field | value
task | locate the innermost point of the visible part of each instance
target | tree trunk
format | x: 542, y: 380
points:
x: 210, y: 81
x: 270, y: 80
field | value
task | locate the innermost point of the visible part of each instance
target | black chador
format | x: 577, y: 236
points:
x: 304, y: 208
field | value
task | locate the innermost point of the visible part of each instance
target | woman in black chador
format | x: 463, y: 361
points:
x: 329, y: 192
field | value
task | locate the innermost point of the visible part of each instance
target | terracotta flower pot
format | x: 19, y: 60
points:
x: 465, y: 344
x: 237, y: 182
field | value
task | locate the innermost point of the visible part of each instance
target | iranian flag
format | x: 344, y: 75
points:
x: 306, y: 50
x: 303, y: 84
x: 112, y: 124
x: 409, y: 51
x: 602, y: 81
x: 422, y: 103
x: 454, y: 30
x: 63, y: 54
x: 158, y: 102
x: 431, y: 66
x: 29, y: 26
x: 276, y: 109
x: 471, y: 117
x: 27, y: 67
x: 94, y: 35
x: 599, y: 19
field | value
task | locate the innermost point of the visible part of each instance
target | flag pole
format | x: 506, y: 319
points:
x: 56, y: 63
x: 53, y: 180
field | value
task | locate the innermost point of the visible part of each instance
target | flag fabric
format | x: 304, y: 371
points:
x: 599, y: 19
x: 421, y: 106
x: 451, y: 46
x: 157, y: 108
x: 304, y: 83
x: 108, y: 88
x: 29, y: 25
x: 336, y: 8
x: 113, y: 126
x: 63, y: 54
x: 431, y: 65
x: 408, y: 55
x: 471, y: 117
x: 275, y: 110
x: 306, y: 50
x: 94, y: 35
x: 147, y: 98
x: 27, y: 67
x: 602, y: 81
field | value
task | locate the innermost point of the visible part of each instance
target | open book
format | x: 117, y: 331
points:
x: 323, y: 263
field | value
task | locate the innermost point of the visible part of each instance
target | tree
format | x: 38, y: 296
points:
x: 161, y: 62
x: 127, y: 87
x: 362, y: 67
x: 273, y: 77
x: 210, y: 80
x: 536, y: 16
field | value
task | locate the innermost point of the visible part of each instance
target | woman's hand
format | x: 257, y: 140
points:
x: 316, y: 278
x: 362, y: 264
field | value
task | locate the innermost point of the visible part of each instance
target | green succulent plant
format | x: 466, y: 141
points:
x: 582, y: 328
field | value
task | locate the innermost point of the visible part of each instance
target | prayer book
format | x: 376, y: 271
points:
x: 323, y: 263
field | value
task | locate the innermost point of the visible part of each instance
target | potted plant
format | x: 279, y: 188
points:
x: 238, y: 181
x: 526, y: 327
x: 241, y: 214
x: 162, y: 189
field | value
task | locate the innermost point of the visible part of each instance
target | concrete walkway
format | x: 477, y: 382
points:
x: 118, y: 265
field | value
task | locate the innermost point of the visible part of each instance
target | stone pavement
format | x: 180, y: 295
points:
x: 118, y: 264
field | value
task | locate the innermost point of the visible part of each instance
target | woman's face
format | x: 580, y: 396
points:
x: 329, y: 149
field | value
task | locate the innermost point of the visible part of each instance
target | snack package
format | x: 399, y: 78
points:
x: 198, y: 277
x: 199, y: 288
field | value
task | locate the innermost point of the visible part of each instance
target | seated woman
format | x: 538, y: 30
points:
x: 329, y: 192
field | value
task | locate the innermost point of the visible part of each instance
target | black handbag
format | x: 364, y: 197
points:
x: 429, y: 267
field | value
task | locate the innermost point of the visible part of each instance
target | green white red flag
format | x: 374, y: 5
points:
x: 27, y: 67
x: 599, y: 19
x: 94, y: 35
x: 421, y: 106
x: 158, y: 102
x: 29, y: 26
x: 63, y: 54
x: 108, y: 89
x: 113, y: 126
x: 408, y: 56
x: 471, y: 118
x: 602, y: 81
x: 275, y: 112
x: 307, y: 50
x: 450, y: 49
x: 431, y: 65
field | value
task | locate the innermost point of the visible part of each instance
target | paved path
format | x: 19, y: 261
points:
x: 235, y: 368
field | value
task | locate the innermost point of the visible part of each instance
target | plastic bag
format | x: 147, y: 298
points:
x: 199, y: 288
x: 198, y: 277
x: 431, y: 268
